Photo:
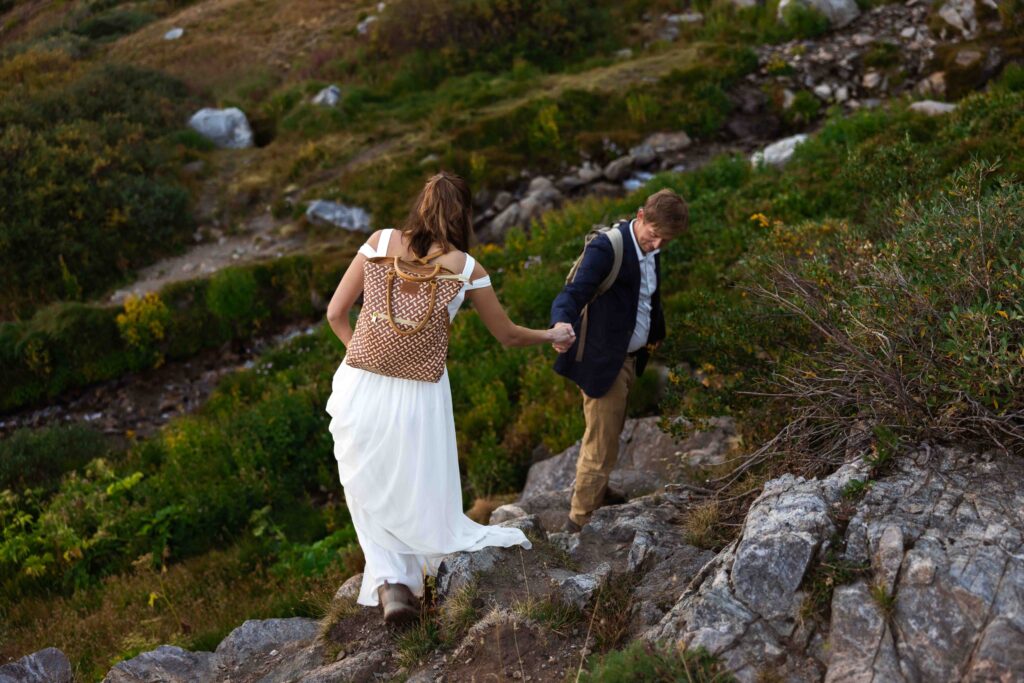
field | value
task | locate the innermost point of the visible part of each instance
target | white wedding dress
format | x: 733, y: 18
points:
x: 394, y: 440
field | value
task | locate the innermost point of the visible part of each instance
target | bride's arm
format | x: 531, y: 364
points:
x: 349, y: 289
x: 497, y: 322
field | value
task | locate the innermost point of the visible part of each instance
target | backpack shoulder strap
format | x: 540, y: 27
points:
x: 615, y: 237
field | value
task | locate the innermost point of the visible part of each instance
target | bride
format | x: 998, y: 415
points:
x: 394, y: 438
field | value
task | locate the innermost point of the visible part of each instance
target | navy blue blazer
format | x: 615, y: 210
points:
x: 611, y: 317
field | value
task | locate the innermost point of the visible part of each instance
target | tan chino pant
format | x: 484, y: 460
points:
x: 605, y: 418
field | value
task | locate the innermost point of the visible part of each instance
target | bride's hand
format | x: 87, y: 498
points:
x: 562, y: 337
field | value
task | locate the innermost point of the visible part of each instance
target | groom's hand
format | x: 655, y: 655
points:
x: 563, y: 346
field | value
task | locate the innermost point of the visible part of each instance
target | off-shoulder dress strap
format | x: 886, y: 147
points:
x: 485, y: 281
x: 382, y: 245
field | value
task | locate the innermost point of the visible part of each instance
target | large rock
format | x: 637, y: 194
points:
x: 168, y: 664
x: 268, y: 650
x: 838, y: 12
x: 619, y: 169
x: 951, y: 525
x: 48, y: 665
x: 778, y: 153
x: 459, y: 569
x: 962, y: 15
x: 227, y: 128
x: 648, y: 459
x: 745, y: 605
x: 940, y: 597
x: 348, y: 217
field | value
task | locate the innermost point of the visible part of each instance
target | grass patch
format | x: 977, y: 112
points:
x: 552, y: 613
x: 647, y: 662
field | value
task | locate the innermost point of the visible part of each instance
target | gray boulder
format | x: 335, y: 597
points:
x: 619, y: 169
x: 778, y: 153
x: 496, y: 229
x: 48, y: 665
x: 744, y: 606
x: 459, y: 569
x: 946, y: 531
x: 648, y: 459
x: 939, y: 598
x: 328, y: 97
x: 838, y: 12
x: 270, y: 650
x: 933, y: 108
x: 962, y: 16
x: 167, y: 663
x: 226, y: 128
x: 351, y: 218
x: 668, y: 143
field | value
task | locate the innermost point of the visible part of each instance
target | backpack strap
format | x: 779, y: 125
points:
x: 615, y: 237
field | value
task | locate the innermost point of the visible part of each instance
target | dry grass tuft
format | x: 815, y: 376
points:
x: 480, y: 511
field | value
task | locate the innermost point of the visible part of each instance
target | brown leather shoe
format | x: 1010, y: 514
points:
x: 398, y: 603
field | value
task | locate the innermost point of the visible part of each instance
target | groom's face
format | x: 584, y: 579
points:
x: 647, y: 234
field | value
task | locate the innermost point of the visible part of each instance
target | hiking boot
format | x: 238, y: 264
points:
x: 571, y: 526
x: 398, y: 603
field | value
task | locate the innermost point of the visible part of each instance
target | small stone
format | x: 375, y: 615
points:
x: 872, y: 80
x: 842, y: 93
x: 967, y: 58
x: 862, y: 39
x: 174, y: 33
x: 908, y: 32
x: 328, y: 97
x: 932, y: 108
x: 618, y: 169
x: 823, y: 91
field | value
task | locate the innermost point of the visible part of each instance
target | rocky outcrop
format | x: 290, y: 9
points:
x: 226, y: 128
x: 351, y: 218
x: 936, y: 551
x: 649, y: 460
x: 265, y: 650
x: 49, y: 665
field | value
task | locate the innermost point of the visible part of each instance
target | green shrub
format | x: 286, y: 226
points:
x: 113, y: 24
x: 82, y: 200
x: 644, y: 662
x: 926, y: 334
x: 39, y: 457
x: 444, y: 36
x: 232, y: 296
x: 804, y: 21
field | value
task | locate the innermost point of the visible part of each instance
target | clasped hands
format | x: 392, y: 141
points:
x: 563, y: 337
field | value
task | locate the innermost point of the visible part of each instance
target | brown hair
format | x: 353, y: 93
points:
x: 442, y: 213
x: 667, y: 212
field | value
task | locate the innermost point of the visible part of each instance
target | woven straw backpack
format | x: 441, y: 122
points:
x: 402, y: 329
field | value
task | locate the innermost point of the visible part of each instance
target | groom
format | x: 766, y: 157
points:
x: 625, y: 324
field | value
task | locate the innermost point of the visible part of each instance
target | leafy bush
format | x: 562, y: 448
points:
x: 644, y: 662
x: 924, y: 335
x: 113, y: 24
x: 804, y: 21
x: 69, y: 345
x: 82, y: 199
x: 185, y: 491
x: 39, y: 457
x: 447, y: 36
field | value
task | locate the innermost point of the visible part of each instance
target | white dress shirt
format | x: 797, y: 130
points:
x: 648, y: 283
